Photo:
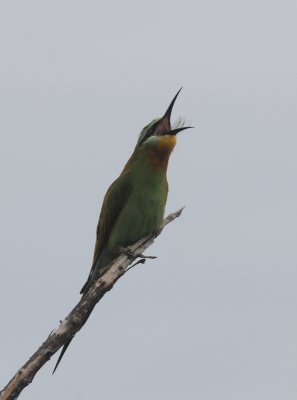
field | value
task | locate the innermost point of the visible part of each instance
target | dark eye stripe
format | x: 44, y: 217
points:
x: 149, y: 133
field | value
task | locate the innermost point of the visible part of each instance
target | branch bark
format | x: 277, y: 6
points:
x: 78, y: 316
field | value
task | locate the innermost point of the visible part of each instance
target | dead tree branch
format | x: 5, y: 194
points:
x: 78, y: 316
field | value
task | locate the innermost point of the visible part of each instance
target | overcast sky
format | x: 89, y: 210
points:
x: 215, y: 316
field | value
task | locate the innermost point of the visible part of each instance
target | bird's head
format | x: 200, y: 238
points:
x: 158, y: 135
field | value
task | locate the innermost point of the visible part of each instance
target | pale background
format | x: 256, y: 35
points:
x: 215, y: 316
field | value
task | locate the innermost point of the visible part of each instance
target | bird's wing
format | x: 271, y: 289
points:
x: 113, y: 203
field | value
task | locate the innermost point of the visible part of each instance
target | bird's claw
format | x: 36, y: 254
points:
x: 128, y: 252
x: 133, y: 255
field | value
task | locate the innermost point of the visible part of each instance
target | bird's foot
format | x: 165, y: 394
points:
x: 132, y: 254
x: 128, y: 252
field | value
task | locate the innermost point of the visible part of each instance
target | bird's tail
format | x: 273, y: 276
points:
x: 83, y: 291
x: 62, y: 354
x: 65, y: 347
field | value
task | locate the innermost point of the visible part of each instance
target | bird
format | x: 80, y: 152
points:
x: 134, y: 204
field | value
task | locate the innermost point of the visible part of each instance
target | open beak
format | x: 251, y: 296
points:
x: 164, y: 127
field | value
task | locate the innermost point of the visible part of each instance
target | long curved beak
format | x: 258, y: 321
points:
x: 173, y: 132
x: 164, y: 126
x: 167, y: 114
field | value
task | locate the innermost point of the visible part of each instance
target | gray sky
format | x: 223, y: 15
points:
x: 214, y: 317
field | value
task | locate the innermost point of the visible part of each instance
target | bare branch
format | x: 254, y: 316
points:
x: 78, y: 316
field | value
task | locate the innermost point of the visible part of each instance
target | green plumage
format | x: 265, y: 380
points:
x: 133, y: 207
x: 134, y: 204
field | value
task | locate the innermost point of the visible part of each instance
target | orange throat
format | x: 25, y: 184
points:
x: 159, y: 156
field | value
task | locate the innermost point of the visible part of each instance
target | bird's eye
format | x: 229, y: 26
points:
x: 148, y: 133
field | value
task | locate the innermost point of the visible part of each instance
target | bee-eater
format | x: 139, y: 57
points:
x: 134, y: 204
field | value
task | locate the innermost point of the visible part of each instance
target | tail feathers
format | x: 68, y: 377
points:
x: 83, y: 291
x: 94, y: 274
x: 84, y: 288
x: 65, y: 347
x: 62, y: 354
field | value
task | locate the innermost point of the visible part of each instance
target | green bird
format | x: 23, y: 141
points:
x: 134, y: 204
